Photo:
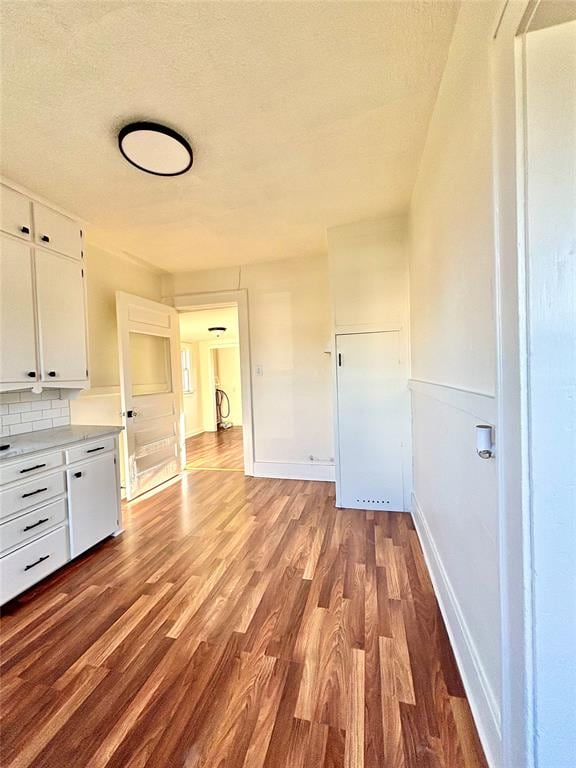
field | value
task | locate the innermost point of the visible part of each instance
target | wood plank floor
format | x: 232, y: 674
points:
x: 237, y: 622
x: 216, y: 450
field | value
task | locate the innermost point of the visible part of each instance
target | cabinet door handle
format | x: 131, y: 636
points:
x: 77, y: 474
x: 25, y: 230
x: 52, y: 374
x: 33, y: 493
x: 93, y: 450
x: 29, y: 469
x: 40, y: 560
x: 34, y: 525
x: 31, y: 374
x: 45, y: 238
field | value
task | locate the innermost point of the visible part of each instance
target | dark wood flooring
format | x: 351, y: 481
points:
x: 237, y: 622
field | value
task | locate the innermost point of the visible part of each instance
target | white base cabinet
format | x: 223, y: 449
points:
x: 54, y: 506
x: 92, y: 502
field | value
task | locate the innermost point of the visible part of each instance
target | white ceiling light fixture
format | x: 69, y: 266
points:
x: 155, y: 149
x: 217, y: 330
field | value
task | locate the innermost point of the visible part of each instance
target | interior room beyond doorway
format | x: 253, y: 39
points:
x: 212, y: 391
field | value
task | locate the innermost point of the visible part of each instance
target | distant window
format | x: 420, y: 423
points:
x: 187, y: 373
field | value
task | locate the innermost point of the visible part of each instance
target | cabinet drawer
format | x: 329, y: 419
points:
x: 31, y: 494
x: 22, y: 470
x: 31, y: 524
x: 15, y: 213
x: 27, y: 565
x: 90, y: 450
x: 57, y: 232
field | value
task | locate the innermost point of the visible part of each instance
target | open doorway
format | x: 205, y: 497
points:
x: 212, y: 388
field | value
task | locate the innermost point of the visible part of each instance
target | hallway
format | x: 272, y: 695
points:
x: 237, y: 622
x: 221, y: 450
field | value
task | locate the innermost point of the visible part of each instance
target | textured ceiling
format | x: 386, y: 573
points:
x: 302, y: 115
x: 194, y: 325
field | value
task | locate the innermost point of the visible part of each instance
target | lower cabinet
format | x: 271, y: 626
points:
x: 27, y: 565
x: 54, y: 506
x: 92, y: 502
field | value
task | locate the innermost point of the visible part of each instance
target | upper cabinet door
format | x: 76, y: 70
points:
x: 57, y: 232
x: 61, y: 319
x: 18, y: 347
x: 15, y: 213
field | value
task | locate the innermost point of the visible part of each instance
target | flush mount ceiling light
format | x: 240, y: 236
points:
x: 217, y: 330
x: 155, y: 149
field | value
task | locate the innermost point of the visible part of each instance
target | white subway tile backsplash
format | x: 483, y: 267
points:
x: 18, y: 429
x: 19, y: 407
x: 28, y: 412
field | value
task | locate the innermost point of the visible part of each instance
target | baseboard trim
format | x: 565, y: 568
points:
x: 480, y: 697
x: 295, y: 470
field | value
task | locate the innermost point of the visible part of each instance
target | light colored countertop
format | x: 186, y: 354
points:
x: 46, y: 439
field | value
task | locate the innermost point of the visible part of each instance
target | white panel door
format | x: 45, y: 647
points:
x: 371, y: 389
x: 18, y: 347
x: 151, y: 392
x: 93, y: 502
x: 61, y: 318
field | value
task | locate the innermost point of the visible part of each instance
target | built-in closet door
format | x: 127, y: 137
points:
x: 371, y: 387
x: 18, y: 347
x: 61, y: 324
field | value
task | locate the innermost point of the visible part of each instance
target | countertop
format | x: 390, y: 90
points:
x: 46, y: 439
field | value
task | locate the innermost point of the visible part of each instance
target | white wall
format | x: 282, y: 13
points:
x: 227, y: 365
x: 368, y: 263
x: 453, y: 348
x: 193, y: 421
x: 290, y: 321
x: 550, y: 130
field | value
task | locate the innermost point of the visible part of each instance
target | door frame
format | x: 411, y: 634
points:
x: 513, y: 326
x: 193, y: 301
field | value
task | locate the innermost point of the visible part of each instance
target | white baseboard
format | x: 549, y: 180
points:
x: 295, y: 470
x: 480, y: 697
x: 194, y: 433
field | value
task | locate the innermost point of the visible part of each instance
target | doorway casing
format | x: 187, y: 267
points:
x: 195, y: 301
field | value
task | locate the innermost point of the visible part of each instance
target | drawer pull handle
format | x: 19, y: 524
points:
x: 29, y: 469
x: 45, y: 238
x: 93, y: 450
x: 34, y: 525
x: 33, y: 493
x: 77, y: 474
x: 25, y: 230
x: 40, y: 560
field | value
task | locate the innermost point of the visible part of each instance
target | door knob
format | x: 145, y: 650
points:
x: 31, y: 374
x: 52, y: 374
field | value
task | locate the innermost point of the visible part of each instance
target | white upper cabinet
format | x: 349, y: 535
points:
x: 42, y: 297
x: 61, y: 328
x: 18, y: 343
x: 57, y: 232
x: 15, y: 213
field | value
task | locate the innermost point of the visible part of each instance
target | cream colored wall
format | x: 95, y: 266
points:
x: 453, y: 349
x: 227, y: 361
x: 290, y: 325
x: 193, y: 423
x: 107, y: 273
x: 368, y: 263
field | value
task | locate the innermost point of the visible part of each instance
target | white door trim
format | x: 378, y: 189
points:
x: 192, y: 301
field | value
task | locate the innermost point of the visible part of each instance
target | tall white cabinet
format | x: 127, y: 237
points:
x: 42, y: 296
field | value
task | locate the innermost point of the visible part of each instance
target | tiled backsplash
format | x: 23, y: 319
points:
x: 27, y: 412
